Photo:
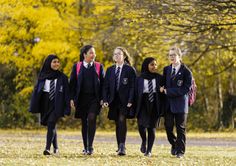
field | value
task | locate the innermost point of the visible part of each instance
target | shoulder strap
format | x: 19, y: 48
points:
x: 78, y: 66
x: 97, y: 67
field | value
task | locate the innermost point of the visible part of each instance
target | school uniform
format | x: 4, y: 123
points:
x: 149, y: 105
x: 148, y: 113
x: 56, y: 108
x: 177, y: 83
x: 118, y: 96
x: 86, y: 91
x: 51, y: 99
x: 118, y: 91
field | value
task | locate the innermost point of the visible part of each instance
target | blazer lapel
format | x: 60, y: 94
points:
x: 141, y: 84
x: 58, y: 86
x: 40, y: 86
x: 180, y: 70
x: 168, y: 76
x: 113, y: 82
x: 79, y: 80
x: 122, y: 73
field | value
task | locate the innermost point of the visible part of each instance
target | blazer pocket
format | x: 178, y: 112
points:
x: 61, y: 89
x: 180, y: 82
x: 125, y: 81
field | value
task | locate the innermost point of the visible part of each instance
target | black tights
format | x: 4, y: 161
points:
x: 88, y: 130
x: 151, y: 136
x: 51, y: 136
x: 121, y: 129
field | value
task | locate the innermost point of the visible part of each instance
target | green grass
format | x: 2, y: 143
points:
x: 21, y: 148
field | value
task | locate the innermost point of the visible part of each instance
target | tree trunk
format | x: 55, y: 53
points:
x: 220, y: 101
x: 231, y: 92
x: 206, y: 100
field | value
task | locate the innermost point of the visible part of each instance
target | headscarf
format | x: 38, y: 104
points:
x: 46, y: 71
x: 145, y: 73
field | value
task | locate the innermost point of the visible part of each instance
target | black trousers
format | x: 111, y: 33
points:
x: 51, y: 136
x: 179, y: 120
x: 151, y: 136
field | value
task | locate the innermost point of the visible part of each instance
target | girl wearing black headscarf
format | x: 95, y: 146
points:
x: 50, y: 98
x: 148, y: 107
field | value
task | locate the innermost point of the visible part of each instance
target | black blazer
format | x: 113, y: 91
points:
x: 177, y: 88
x: 76, y: 82
x: 126, y: 88
x: 62, y: 99
x: 139, y: 85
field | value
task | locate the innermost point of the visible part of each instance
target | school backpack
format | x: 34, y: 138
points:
x: 97, y: 67
x: 192, y: 93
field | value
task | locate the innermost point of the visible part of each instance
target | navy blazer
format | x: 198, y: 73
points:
x: 177, y: 88
x: 62, y: 99
x: 126, y: 86
x: 139, y: 85
x: 76, y: 82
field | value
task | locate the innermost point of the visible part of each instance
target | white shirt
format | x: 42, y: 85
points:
x: 145, y: 86
x: 86, y: 64
x: 176, y: 68
x: 46, y: 87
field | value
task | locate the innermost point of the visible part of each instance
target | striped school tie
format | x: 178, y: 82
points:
x: 150, y: 89
x: 117, y: 77
x: 52, y: 90
x: 173, y: 72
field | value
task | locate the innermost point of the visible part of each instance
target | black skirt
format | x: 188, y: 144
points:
x: 87, y: 104
x: 148, y: 116
x: 48, y: 110
x: 116, y: 108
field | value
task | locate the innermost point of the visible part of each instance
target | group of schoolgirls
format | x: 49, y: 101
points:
x: 146, y: 97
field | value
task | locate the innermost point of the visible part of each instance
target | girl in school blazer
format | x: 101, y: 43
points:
x: 177, y: 83
x: 118, y: 94
x: 86, y: 94
x: 50, y: 98
x: 149, y: 100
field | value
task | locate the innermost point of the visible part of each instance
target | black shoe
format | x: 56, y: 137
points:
x: 46, y: 152
x: 173, y: 151
x: 90, y: 151
x: 148, y: 154
x: 143, y: 147
x: 121, y: 151
x: 180, y: 155
x: 84, y: 152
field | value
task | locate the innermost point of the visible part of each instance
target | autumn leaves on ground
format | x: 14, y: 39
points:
x: 26, y: 147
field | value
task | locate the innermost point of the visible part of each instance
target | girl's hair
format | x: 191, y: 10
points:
x: 176, y: 50
x: 84, y: 50
x: 127, y: 57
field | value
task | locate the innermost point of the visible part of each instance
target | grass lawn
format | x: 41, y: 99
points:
x: 26, y: 147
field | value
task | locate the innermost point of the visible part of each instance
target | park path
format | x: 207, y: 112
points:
x: 134, y: 139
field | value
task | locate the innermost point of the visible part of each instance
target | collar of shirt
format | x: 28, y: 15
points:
x: 119, y: 66
x: 176, y: 68
x: 86, y: 64
x: 146, y: 88
x: 47, y: 85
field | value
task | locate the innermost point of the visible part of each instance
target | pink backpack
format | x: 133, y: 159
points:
x: 97, y: 67
x: 192, y: 93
